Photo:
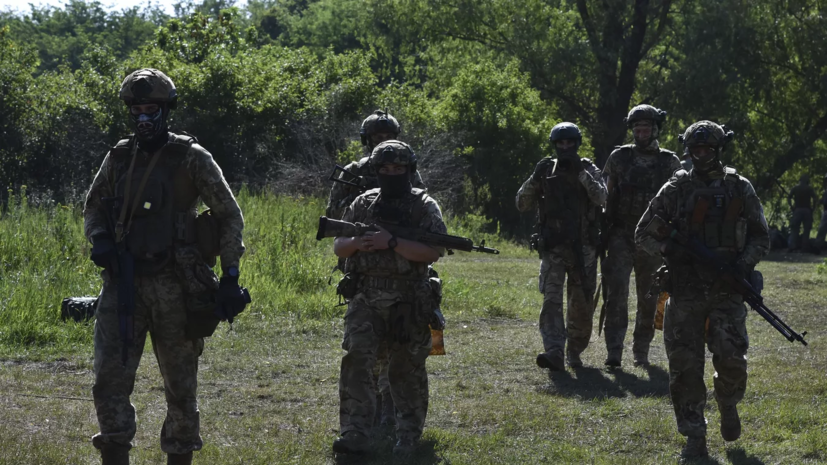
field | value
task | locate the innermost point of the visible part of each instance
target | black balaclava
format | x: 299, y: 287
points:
x: 394, y: 186
x: 707, y: 164
x: 151, y: 129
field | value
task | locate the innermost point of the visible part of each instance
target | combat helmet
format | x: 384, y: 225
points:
x: 564, y: 131
x: 380, y: 121
x: 645, y: 112
x: 709, y: 134
x: 393, y: 152
x: 148, y: 85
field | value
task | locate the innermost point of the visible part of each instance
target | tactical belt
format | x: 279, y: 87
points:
x: 390, y: 284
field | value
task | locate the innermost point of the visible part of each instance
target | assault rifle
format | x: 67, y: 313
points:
x: 661, y: 230
x: 125, y: 274
x: 358, y: 182
x: 328, y: 227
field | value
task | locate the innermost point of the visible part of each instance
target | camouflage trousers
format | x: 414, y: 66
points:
x: 683, y: 335
x: 160, y: 311
x: 555, y: 265
x: 622, y: 257
x: 367, y: 328
x: 801, y: 217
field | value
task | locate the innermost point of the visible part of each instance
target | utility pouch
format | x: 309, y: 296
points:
x: 402, y: 320
x: 348, y: 286
x: 208, y: 237
x: 757, y: 281
x: 201, y: 319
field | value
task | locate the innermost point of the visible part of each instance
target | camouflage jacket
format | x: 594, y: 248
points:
x: 672, y: 204
x: 208, y: 181
x: 387, y: 263
x: 342, y: 195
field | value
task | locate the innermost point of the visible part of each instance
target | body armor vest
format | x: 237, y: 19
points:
x: 713, y: 214
x: 406, y: 212
x: 637, y: 185
x: 165, y: 210
x: 566, y: 213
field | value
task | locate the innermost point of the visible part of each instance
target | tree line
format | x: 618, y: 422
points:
x: 276, y: 89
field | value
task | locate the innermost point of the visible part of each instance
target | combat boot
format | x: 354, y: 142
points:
x: 695, y: 448
x: 388, y: 416
x: 352, y: 442
x: 114, y: 454
x: 179, y: 459
x: 641, y: 359
x: 404, y: 447
x: 613, y: 358
x: 573, y: 359
x: 730, y: 422
x: 553, y: 361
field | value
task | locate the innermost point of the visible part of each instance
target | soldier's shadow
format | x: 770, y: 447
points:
x: 382, y: 453
x: 589, y: 383
x: 738, y: 456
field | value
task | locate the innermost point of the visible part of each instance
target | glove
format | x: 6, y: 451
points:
x: 230, y: 299
x: 103, y: 251
x: 437, y: 320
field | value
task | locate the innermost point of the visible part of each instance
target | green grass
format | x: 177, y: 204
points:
x: 268, y: 389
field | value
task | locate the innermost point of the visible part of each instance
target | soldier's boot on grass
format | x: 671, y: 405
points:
x: 695, y: 448
x: 573, y: 359
x: 114, y: 454
x: 404, y: 447
x: 551, y: 360
x: 730, y: 422
x: 641, y: 359
x: 388, y: 415
x: 613, y: 358
x: 352, y: 442
x: 179, y: 459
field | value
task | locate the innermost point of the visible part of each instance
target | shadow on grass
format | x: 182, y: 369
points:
x: 792, y: 257
x: 592, y: 383
x: 738, y: 456
x: 382, y: 453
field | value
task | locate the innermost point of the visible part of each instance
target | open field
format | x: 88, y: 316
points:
x: 268, y: 389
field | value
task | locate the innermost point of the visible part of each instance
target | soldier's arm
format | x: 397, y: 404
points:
x: 758, y: 235
x: 592, y: 180
x: 675, y: 165
x: 95, y: 220
x: 661, y: 205
x: 609, y: 175
x: 216, y: 194
x: 530, y: 191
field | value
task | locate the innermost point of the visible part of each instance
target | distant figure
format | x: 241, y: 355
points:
x: 800, y: 202
x: 822, y: 227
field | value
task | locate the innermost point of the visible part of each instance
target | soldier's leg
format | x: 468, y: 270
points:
x: 617, y: 268
x: 114, y: 382
x: 795, y: 225
x: 178, y: 361
x: 409, y: 383
x: 364, y: 330
x: 683, y: 337
x: 822, y: 230
x: 552, y: 325
x: 579, y: 309
x: 807, y: 222
x: 384, y: 414
x: 728, y: 342
x: 645, y: 267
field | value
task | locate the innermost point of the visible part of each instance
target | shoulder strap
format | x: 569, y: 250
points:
x: 179, y: 145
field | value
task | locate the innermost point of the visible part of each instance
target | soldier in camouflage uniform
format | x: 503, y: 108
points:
x: 634, y: 173
x: 156, y: 179
x: 720, y: 209
x: 391, y: 302
x: 376, y: 128
x: 822, y: 226
x: 805, y: 199
x: 568, y: 193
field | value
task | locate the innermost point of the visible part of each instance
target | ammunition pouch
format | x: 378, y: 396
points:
x: 348, y: 286
x: 201, y: 318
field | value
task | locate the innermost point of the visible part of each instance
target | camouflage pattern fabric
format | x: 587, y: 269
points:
x: 530, y: 193
x: 801, y: 217
x: 368, y: 323
x: 577, y: 328
x: 209, y: 182
x: 342, y: 195
x: 622, y: 256
x: 696, y: 296
x: 160, y: 311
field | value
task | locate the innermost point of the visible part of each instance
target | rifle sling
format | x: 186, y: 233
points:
x: 138, y: 193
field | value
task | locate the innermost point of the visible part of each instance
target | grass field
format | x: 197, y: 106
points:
x: 268, y: 389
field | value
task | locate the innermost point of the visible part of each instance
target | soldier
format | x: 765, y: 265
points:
x: 634, y: 174
x: 568, y: 193
x: 720, y: 209
x: 140, y: 216
x: 822, y: 227
x: 376, y: 128
x: 805, y: 199
x: 390, y: 302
